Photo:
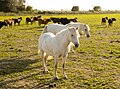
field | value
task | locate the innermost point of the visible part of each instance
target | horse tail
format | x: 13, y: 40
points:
x: 38, y: 48
x: 45, y: 29
x: 39, y: 45
x: 38, y: 51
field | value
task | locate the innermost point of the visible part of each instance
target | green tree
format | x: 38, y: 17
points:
x: 11, y: 5
x: 75, y: 8
x: 21, y: 8
x: 97, y: 8
x: 4, y: 5
x: 21, y: 5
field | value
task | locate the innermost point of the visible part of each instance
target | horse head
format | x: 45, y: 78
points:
x: 74, y: 35
x: 86, y: 30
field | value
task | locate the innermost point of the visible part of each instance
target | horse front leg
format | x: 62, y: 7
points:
x: 56, y: 63
x: 63, y: 65
x: 71, y: 48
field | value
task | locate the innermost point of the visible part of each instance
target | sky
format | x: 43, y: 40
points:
x: 68, y: 4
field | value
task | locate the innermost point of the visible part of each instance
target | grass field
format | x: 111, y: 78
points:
x: 94, y: 65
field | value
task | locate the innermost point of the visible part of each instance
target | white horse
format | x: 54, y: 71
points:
x: 57, y: 45
x: 55, y: 28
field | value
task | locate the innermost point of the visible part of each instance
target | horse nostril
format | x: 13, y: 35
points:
x: 76, y: 45
x: 88, y: 36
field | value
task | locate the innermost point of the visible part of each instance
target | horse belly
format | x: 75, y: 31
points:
x: 47, y: 49
x: 52, y: 48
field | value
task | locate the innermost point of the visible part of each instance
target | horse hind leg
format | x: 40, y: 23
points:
x: 44, y: 57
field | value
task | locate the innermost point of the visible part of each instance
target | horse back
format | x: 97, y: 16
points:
x: 55, y: 28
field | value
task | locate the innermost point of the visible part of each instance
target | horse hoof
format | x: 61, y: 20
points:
x: 56, y: 78
x: 52, y: 85
x: 65, y: 77
x: 46, y: 71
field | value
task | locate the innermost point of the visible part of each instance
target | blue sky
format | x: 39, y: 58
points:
x: 68, y: 4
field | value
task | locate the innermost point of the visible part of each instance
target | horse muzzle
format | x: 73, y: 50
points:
x: 88, y: 36
x: 76, y: 45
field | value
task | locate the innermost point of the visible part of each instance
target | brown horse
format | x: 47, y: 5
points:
x: 29, y: 20
x: 17, y: 20
x: 43, y: 21
x: 9, y: 22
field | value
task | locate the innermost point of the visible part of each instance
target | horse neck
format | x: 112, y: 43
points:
x: 63, y: 38
x: 81, y: 27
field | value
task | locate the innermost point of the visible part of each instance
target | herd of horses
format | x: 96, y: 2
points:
x: 31, y: 20
x: 45, y: 21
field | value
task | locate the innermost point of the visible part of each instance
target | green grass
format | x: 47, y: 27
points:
x: 94, y: 65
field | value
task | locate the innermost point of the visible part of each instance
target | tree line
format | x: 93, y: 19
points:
x: 19, y: 5
x: 13, y: 6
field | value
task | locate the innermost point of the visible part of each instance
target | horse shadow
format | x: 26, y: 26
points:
x: 15, y: 64
x: 20, y: 64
